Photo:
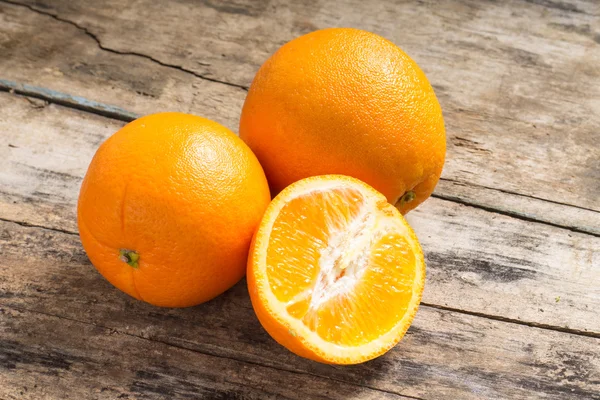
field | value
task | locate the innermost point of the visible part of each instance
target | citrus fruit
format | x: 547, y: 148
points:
x: 335, y: 273
x: 168, y: 207
x: 346, y: 101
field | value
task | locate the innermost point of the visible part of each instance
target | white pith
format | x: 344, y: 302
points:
x: 343, y: 261
x: 346, y: 257
x: 347, y: 254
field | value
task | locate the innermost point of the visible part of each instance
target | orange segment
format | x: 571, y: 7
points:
x: 298, y: 238
x: 335, y: 272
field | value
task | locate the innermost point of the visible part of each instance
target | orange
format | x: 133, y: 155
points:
x: 335, y: 273
x: 168, y: 208
x: 346, y: 101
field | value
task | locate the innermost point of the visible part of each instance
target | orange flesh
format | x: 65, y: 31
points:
x: 340, y: 266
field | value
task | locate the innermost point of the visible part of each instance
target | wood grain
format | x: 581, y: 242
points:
x: 445, y: 355
x: 42, y: 51
x: 510, y: 308
x: 512, y: 77
x: 520, y: 206
x: 45, y: 357
x: 487, y: 263
x: 510, y: 268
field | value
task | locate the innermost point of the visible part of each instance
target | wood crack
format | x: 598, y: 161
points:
x: 28, y: 225
x: 92, y: 35
x: 519, y: 194
x: 548, y: 327
x: 512, y: 214
x: 67, y: 100
x: 558, y: 5
x: 211, y: 354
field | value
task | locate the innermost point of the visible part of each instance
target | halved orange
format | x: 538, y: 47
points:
x: 335, y: 272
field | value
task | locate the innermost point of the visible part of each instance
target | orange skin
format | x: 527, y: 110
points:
x: 168, y: 207
x: 346, y: 101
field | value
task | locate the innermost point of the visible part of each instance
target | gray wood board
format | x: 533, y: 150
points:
x: 509, y: 306
x: 445, y: 354
x: 46, y: 357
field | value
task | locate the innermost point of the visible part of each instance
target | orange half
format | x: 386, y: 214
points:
x: 335, y: 272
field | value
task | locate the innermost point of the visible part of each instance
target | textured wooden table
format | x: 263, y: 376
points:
x: 511, y: 235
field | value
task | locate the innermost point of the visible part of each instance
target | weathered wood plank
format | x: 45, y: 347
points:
x: 40, y: 171
x: 513, y: 77
x: 445, y: 354
x: 42, y: 51
x: 508, y: 267
x: 45, y: 357
x: 488, y: 263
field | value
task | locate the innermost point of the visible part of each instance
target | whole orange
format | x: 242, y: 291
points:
x: 346, y: 101
x: 168, y: 208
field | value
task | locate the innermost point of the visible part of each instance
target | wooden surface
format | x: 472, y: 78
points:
x: 511, y: 235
